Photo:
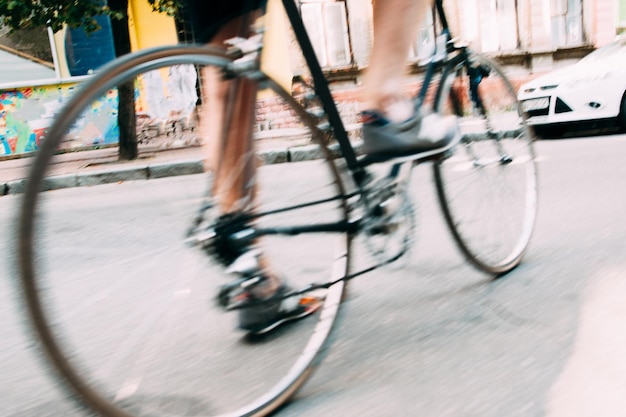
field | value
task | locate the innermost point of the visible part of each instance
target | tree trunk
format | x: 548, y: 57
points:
x: 126, y: 117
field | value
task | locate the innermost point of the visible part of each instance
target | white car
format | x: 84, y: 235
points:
x: 592, y: 90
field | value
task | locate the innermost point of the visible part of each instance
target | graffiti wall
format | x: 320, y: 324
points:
x: 26, y: 113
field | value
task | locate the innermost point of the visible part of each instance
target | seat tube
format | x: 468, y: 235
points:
x: 322, y: 89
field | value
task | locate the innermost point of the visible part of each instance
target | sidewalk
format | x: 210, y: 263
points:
x: 157, y: 159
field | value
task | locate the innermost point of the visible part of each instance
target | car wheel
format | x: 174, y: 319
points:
x: 621, y: 118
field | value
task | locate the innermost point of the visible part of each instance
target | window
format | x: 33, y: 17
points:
x: 567, y: 23
x: 327, y: 26
x: 498, y: 25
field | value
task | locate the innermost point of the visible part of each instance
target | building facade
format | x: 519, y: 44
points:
x: 536, y: 34
x: 529, y: 37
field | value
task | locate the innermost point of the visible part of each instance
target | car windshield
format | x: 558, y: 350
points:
x: 614, y: 49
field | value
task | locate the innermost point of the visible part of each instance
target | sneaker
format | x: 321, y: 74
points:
x: 423, y: 135
x: 262, y: 318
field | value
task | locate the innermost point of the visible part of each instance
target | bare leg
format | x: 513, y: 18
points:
x: 226, y: 123
x: 228, y: 149
x: 396, y: 23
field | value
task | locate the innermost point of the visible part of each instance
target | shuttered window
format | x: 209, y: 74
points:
x: 327, y: 25
x: 498, y: 25
x: 567, y: 23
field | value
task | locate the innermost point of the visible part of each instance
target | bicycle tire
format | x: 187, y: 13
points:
x: 487, y: 187
x: 73, y: 340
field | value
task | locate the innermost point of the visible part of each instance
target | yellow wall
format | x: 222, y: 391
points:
x: 148, y: 28
x: 276, y: 60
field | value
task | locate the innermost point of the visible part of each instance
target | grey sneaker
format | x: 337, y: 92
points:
x: 421, y: 135
x: 264, y: 315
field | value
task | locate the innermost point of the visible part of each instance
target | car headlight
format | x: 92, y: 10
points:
x: 528, y: 89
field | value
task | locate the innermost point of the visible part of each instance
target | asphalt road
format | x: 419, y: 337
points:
x: 434, y: 338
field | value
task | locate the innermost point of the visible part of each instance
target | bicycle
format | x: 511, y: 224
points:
x: 123, y: 369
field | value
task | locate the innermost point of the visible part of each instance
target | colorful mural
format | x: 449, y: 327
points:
x: 26, y: 113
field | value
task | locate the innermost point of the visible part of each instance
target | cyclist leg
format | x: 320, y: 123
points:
x: 228, y: 142
x: 227, y: 122
x: 395, y: 28
x: 392, y: 126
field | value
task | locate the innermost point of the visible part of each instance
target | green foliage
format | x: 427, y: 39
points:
x: 170, y: 7
x: 23, y: 14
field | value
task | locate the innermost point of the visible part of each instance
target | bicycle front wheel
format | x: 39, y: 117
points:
x: 487, y: 186
x: 124, y: 309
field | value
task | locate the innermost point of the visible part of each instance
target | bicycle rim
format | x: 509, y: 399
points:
x: 487, y: 186
x: 124, y: 310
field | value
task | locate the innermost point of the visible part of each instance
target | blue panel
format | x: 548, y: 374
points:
x: 86, y: 53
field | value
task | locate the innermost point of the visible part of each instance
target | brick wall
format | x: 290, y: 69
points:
x: 273, y: 115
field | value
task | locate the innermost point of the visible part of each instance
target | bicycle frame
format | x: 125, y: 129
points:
x: 323, y: 91
x: 371, y: 205
x: 446, y: 60
x: 248, y: 234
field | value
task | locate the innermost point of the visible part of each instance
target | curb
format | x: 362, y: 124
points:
x: 162, y: 170
x: 141, y: 172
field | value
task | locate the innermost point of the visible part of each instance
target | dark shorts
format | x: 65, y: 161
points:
x: 208, y: 16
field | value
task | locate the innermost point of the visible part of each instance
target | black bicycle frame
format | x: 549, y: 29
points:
x: 447, y: 61
x: 322, y: 90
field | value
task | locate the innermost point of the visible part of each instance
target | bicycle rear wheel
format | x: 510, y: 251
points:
x: 487, y: 186
x: 123, y: 308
